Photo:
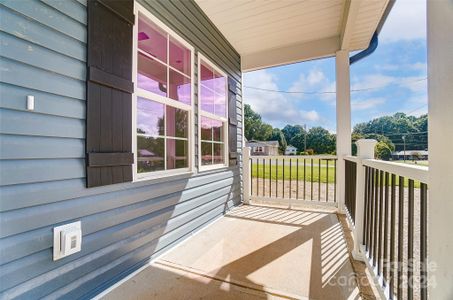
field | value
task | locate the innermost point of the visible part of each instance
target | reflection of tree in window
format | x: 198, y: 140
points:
x: 150, y: 156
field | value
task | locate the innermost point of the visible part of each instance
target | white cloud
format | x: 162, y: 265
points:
x: 376, y: 82
x: 308, y: 83
x: 418, y: 66
x: 275, y: 108
x: 367, y: 104
x: 372, y: 81
x: 416, y: 84
x: 315, y: 81
x: 407, y: 21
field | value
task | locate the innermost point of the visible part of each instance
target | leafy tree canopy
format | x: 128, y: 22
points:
x: 396, y: 130
x: 391, y: 132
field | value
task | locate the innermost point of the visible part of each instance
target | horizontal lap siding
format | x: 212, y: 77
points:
x: 42, y: 158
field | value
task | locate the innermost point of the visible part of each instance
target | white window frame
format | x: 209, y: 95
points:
x: 161, y: 99
x: 202, y: 113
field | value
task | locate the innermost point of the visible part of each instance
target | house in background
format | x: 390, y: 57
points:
x: 263, y: 147
x: 290, y: 150
x: 410, y: 155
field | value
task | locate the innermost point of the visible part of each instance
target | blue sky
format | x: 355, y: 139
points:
x: 396, y: 72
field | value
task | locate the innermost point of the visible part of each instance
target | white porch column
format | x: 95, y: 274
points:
x: 246, y: 174
x: 365, y: 150
x: 343, y: 120
x: 440, y: 197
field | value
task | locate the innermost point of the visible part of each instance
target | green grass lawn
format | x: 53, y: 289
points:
x: 276, y: 172
x: 261, y: 170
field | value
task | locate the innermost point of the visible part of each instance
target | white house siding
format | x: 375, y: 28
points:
x: 43, y: 53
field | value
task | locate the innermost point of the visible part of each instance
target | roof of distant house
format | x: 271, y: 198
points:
x: 254, y: 143
x: 411, y: 152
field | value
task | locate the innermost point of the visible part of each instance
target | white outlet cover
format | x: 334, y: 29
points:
x: 67, y: 230
x: 30, y: 102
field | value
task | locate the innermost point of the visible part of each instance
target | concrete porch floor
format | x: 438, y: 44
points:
x: 253, y: 252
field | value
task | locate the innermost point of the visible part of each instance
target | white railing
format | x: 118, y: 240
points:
x: 389, y: 210
x: 290, y: 180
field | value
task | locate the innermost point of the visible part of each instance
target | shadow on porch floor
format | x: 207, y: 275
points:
x: 253, y: 252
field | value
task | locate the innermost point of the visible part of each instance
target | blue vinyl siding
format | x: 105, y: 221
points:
x: 42, y: 158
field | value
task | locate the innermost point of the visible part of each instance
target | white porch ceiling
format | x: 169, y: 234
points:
x: 276, y: 32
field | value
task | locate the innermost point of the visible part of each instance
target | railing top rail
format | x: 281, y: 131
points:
x: 352, y: 158
x: 419, y: 173
x: 296, y: 156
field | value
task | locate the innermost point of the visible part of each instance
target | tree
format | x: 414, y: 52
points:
x: 255, y: 128
x: 321, y: 140
x: 383, y: 151
x: 291, y: 131
x: 394, y: 128
x: 277, y: 135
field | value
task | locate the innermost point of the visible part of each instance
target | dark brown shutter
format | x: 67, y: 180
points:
x: 232, y: 122
x: 109, y: 92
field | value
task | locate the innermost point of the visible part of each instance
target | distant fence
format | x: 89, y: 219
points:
x: 293, y: 178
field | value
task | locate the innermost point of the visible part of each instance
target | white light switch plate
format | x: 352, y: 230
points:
x: 30, y: 102
x: 67, y: 240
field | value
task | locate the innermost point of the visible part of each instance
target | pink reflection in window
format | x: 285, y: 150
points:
x: 207, y: 99
x: 180, y: 88
x: 219, y: 84
x: 152, y: 75
x: 151, y: 39
x: 179, y: 57
x: 150, y: 154
x: 220, y: 105
x: 150, y: 117
x: 217, y: 129
x: 218, y: 154
x: 177, y: 154
x: 206, y: 129
x: 177, y: 122
x: 206, y: 154
x: 206, y: 76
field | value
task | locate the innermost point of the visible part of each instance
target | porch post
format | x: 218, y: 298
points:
x: 343, y: 121
x: 246, y: 174
x: 365, y: 150
x: 440, y: 191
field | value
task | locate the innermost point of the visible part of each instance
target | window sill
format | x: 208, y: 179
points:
x: 212, y: 167
x: 155, y: 178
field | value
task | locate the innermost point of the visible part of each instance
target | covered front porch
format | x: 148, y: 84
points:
x: 256, y: 252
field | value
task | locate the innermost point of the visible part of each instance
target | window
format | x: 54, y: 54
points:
x: 163, y: 98
x: 212, y: 91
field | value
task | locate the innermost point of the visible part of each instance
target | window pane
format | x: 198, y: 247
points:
x: 177, y: 122
x: 206, y: 154
x: 218, y: 154
x: 220, y: 105
x: 220, y: 94
x: 179, y: 57
x: 150, y: 117
x: 152, y: 75
x: 177, y: 154
x: 206, y: 129
x: 180, y: 88
x: 207, y: 99
x: 219, y: 84
x: 150, y: 154
x: 151, y: 39
x: 206, y: 76
x: 217, y: 128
